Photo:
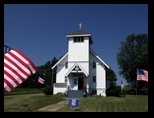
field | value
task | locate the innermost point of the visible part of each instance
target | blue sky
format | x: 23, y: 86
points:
x: 39, y: 30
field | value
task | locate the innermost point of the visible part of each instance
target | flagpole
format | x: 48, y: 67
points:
x: 136, y: 81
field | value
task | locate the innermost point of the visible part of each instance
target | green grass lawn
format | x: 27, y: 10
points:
x: 19, y: 91
x: 130, y: 103
x: 29, y: 102
x: 32, y: 102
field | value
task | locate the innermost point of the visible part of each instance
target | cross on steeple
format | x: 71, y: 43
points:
x: 80, y: 25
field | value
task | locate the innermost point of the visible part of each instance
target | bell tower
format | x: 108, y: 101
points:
x: 78, y: 45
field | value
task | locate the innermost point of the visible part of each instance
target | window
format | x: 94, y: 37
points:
x: 66, y: 65
x: 74, y: 39
x: 79, y: 39
x: 65, y: 79
x: 94, y: 64
x: 82, y: 39
x: 94, y: 79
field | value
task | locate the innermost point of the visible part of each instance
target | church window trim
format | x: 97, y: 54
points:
x: 94, y: 64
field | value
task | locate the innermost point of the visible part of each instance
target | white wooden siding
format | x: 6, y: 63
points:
x: 59, y: 88
x: 78, y: 51
x: 100, y: 73
x: 61, y: 71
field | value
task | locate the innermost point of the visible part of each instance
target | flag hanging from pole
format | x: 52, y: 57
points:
x: 41, y: 80
x: 17, y: 68
x: 142, y: 75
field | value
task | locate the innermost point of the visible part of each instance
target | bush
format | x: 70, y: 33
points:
x: 114, y: 91
x: 48, y: 90
x: 131, y: 92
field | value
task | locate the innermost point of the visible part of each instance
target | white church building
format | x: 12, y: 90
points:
x: 80, y: 68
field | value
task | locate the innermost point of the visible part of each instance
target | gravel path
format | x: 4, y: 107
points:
x: 54, y: 107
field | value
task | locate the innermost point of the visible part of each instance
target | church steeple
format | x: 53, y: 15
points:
x: 79, y: 45
x: 80, y: 33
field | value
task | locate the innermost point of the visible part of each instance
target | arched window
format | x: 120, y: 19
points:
x: 94, y: 64
x: 66, y: 65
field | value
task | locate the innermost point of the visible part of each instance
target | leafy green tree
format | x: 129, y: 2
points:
x: 133, y: 54
x: 53, y: 62
x: 45, y: 72
x: 111, y: 76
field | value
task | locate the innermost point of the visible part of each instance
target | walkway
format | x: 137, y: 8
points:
x: 54, y: 107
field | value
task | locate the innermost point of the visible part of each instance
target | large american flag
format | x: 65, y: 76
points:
x: 142, y: 75
x: 17, y: 68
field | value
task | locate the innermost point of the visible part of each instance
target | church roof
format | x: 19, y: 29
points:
x: 101, y: 60
x: 65, y: 55
x: 80, y: 32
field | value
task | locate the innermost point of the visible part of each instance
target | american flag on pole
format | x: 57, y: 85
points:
x: 142, y: 75
x: 17, y: 68
x: 41, y: 80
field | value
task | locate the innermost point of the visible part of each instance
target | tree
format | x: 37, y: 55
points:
x: 53, y: 62
x: 110, y: 75
x: 133, y: 54
x: 45, y: 72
